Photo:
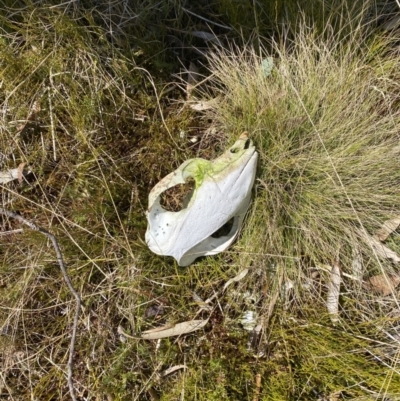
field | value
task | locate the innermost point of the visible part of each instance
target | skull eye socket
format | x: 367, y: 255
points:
x: 235, y: 150
x: 176, y: 198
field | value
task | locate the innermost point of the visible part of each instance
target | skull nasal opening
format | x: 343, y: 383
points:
x: 246, y: 146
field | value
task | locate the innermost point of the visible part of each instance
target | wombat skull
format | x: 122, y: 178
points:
x: 220, y: 198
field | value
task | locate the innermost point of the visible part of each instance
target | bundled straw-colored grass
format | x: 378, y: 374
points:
x: 326, y: 125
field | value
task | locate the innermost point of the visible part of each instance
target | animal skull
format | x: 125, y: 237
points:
x: 220, y: 198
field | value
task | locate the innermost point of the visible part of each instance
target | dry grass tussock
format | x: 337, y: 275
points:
x: 326, y: 124
x: 85, y: 119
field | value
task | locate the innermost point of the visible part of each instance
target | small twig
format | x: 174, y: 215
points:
x: 69, y: 284
x: 11, y: 232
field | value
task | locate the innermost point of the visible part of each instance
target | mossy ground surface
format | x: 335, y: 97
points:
x: 93, y: 101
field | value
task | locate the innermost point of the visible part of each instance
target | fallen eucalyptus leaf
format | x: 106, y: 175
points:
x: 332, y: 299
x: 172, y: 369
x: 356, y: 265
x: 12, y: 174
x: 387, y: 228
x: 203, y: 305
x: 380, y: 249
x: 160, y: 328
x: 176, y: 330
x: 206, y: 36
x: 238, y: 277
x: 123, y: 335
x: 382, y: 284
x: 201, y: 106
x: 205, y: 104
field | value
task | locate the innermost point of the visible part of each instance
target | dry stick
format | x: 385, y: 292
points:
x: 11, y: 232
x: 69, y: 284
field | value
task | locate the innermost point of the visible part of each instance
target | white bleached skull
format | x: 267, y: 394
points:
x: 220, y: 198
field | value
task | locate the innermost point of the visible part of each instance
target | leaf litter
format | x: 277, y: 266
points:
x: 388, y: 227
x: 382, y: 284
x: 7, y: 176
x: 176, y: 330
x: 332, y: 299
x: 381, y: 250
